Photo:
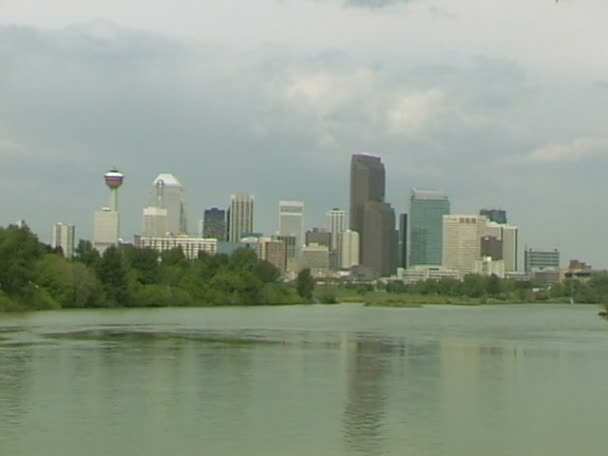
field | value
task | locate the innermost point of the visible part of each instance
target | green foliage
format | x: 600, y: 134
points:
x: 305, y: 284
x: 112, y: 271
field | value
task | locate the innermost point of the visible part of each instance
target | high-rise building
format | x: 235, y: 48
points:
x: 495, y: 215
x: 291, y: 221
x: 349, y: 249
x: 106, y: 226
x: 64, y: 238
x: 541, y: 259
x: 155, y: 221
x: 335, y: 225
x: 105, y: 229
x: 402, y: 242
x: 505, y: 238
x: 427, y: 208
x: 367, y: 181
x: 370, y: 216
x: 318, y: 236
x: 510, y: 247
x: 462, y: 242
x: 378, y: 247
x: 275, y: 252
x: 214, y: 224
x: 169, y: 194
x: 241, y: 216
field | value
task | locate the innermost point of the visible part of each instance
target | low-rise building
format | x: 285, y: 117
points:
x: 191, y: 246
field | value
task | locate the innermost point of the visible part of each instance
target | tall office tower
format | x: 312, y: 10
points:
x: 291, y: 221
x: 427, y: 208
x: 106, y: 226
x: 64, y: 237
x: 402, y: 242
x: 510, y: 247
x: 379, y: 250
x: 155, y: 222
x: 349, y: 249
x: 169, y: 194
x: 541, y: 259
x: 335, y: 225
x: 241, y: 216
x: 214, y: 224
x: 495, y: 215
x: 367, y: 180
x: 462, y: 241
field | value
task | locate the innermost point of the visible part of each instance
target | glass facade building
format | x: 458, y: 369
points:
x: 427, y: 208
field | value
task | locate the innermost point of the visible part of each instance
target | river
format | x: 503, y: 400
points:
x: 305, y: 380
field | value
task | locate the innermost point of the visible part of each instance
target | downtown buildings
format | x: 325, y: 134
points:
x: 373, y: 246
x: 371, y: 216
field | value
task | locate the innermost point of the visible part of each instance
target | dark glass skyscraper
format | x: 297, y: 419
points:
x: 370, y: 216
x: 367, y: 180
x: 214, y: 224
x: 402, y: 242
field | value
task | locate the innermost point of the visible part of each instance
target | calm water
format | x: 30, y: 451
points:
x: 337, y: 380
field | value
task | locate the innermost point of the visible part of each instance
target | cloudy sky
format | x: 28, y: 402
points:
x: 501, y: 103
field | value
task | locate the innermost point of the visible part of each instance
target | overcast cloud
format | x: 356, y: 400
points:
x: 499, y: 103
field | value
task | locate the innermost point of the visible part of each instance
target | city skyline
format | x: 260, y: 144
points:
x: 506, y: 120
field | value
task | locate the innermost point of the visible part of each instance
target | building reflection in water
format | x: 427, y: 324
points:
x: 364, y: 413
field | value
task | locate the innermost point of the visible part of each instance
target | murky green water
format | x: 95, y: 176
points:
x: 338, y: 380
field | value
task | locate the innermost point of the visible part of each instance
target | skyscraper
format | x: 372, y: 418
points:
x: 241, y: 216
x: 291, y: 221
x: 64, y: 237
x: 214, y: 224
x: 495, y: 215
x: 427, y: 208
x: 335, y: 225
x: 106, y: 226
x: 368, y: 211
x: 367, y: 180
x: 349, y: 249
x: 169, y: 194
x: 462, y: 242
x: 379, y: 252
x: 504, y: 237
x: 402, y: 242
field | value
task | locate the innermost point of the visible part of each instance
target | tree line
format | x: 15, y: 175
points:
x: 34, y: 276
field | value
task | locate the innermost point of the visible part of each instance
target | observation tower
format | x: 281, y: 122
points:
x: 113, y: 179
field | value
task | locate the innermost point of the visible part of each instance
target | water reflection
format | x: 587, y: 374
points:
x: 364, y: 412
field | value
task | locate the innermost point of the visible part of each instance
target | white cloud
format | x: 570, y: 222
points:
x: 412, y: 112
x: 575, y: 151
x: 324, y: 92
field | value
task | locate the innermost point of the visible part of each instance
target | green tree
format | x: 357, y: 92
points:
x: 144, y: 265
x: 113, y: 274
x: 305, y: 284
x: 19, y: 250
x: 86, y: 253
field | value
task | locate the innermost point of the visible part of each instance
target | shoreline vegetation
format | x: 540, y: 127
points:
x: 35, y: 277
